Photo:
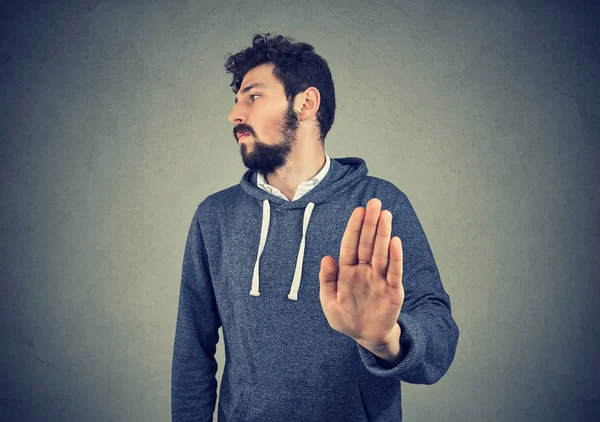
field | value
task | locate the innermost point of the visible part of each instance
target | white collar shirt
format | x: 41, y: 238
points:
x: 303, y: 187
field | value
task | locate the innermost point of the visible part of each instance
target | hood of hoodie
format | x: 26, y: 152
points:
x: 342, y: 175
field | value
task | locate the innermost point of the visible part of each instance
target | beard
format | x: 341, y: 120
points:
x: 266, y: 158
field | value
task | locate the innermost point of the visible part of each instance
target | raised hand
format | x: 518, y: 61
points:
x: 362, y: 297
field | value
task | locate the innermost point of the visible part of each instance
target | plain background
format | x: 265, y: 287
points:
x: 113, y: 129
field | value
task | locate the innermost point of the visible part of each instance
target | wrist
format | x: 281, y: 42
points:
x: 388, y: 348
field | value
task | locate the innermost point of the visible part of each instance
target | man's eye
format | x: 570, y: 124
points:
x: 253, y: 97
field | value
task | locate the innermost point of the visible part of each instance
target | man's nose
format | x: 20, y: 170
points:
x: 237, y: 115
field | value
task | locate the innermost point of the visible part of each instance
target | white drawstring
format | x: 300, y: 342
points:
x: 264, y: 230
x: 298, y: 273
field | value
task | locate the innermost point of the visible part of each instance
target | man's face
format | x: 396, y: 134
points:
x: 265, y: 122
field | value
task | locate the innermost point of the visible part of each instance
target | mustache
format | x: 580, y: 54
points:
x: 242, y: 127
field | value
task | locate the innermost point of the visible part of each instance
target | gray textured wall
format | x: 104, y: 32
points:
x: 114, y: 127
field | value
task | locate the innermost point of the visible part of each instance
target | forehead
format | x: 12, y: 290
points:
x: 261, y: 74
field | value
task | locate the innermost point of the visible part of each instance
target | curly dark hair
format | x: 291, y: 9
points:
x: 297, y: 67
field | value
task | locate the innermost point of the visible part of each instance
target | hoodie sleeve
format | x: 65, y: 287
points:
x: 193, y: 382
x: 429, y: 334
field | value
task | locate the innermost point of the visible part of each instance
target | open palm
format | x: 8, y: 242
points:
x: 362, y: 297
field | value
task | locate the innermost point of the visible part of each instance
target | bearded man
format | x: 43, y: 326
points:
x: 320, y: 275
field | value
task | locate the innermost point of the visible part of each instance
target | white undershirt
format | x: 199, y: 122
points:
x: 303, y: 187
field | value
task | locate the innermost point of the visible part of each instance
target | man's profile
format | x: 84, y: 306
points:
x: 320, y: 275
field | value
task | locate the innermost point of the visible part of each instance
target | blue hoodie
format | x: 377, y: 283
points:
x: 251, y: 266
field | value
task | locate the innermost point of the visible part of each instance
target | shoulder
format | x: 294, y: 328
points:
x: 218, y: 202
x: 382, y: 188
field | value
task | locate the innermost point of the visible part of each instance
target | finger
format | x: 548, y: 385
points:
x: 328, y: 279
x: 381, y: 251
x: 394, y: 273
x: 369, y: 230
x: 351, y: 237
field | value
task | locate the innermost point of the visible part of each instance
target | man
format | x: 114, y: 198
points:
x: 325, y: 305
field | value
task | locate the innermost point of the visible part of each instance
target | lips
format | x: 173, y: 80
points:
x: 242, y: 135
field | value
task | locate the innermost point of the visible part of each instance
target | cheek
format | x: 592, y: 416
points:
x: 268, y: 127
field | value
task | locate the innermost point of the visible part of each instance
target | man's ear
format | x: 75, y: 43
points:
x: 307, y: 103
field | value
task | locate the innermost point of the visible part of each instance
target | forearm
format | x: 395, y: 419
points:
x: 193, y: 382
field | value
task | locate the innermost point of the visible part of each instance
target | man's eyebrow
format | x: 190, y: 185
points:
x: 249, y: 87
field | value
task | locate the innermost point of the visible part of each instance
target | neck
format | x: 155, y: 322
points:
x: 306, y: 159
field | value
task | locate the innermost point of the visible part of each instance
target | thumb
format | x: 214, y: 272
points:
x: 328, y: 278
